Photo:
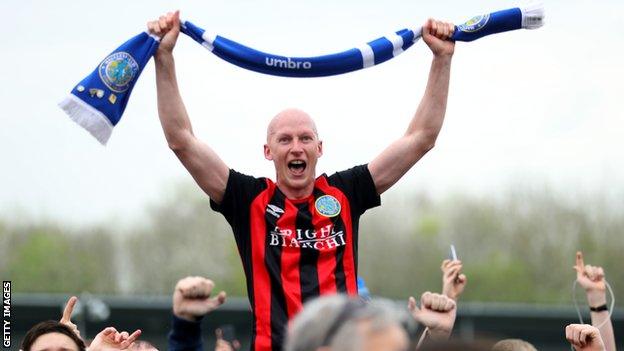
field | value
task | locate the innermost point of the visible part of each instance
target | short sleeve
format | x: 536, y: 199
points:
x: 239, y: 193
x: 358, y: 185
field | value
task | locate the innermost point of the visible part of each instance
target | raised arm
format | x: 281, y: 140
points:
x: 191, y: 302
x: 453, y: 280
x: 208, y: 170
x: 387, y: 168
x: 592, y: 279
x: 437, y: 313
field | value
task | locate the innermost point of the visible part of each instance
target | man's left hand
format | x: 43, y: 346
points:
x: 436, y: 34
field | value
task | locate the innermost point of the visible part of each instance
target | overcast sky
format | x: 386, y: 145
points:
x: 527, y: 107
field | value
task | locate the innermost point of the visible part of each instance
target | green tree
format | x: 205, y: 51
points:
x: 45, y: 258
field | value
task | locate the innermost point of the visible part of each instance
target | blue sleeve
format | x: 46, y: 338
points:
x: 185, y: 335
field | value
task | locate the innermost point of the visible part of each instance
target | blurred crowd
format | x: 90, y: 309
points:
x: 337, y: 322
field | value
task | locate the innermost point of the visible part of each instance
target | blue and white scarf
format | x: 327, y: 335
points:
x: 98, y: 101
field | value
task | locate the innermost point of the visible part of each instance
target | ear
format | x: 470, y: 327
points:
x: 319, y: 150
x: 267, y: 153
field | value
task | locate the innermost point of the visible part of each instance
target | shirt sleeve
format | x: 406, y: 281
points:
x: 240, y: 191
x: 357, y: 183
x: 185, y: 335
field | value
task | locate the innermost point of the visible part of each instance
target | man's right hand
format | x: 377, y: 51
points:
x: 584, y: 337
x: 167, y: 28
x: 191, y: 298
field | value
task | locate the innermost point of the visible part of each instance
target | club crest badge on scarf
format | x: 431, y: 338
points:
x: 99, y: 100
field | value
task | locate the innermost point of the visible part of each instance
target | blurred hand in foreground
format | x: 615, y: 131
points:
x: 110, y: 339
x: 584, y: 337
x: 191, y: 298
x: 67, y: 313
x: 453, y: 280
x: 437, y: 312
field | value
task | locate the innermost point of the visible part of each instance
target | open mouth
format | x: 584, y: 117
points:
x: 297, y: 166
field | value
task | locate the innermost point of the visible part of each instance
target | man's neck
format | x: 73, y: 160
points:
x: 296, y: 194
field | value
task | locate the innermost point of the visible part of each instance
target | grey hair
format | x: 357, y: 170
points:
x: 513, y: 345
x: 310, y: 329
x: 142, y: 345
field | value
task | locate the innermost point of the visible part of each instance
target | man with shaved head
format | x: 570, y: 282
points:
x: 297, y: 235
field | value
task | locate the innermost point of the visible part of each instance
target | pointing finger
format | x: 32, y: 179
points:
x: 69, y: 308
x: 579, y: 260
x: 220, y: 299
x: 131, y: 339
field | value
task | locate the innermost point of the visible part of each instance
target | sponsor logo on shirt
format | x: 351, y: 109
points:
x: 274, y: 210
x: 324, y: 239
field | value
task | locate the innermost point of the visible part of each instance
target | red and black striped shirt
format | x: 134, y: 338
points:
x: 295, y: 250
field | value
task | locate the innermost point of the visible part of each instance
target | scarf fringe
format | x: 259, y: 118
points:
x: 92, y: 120
x: 533, y: 15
